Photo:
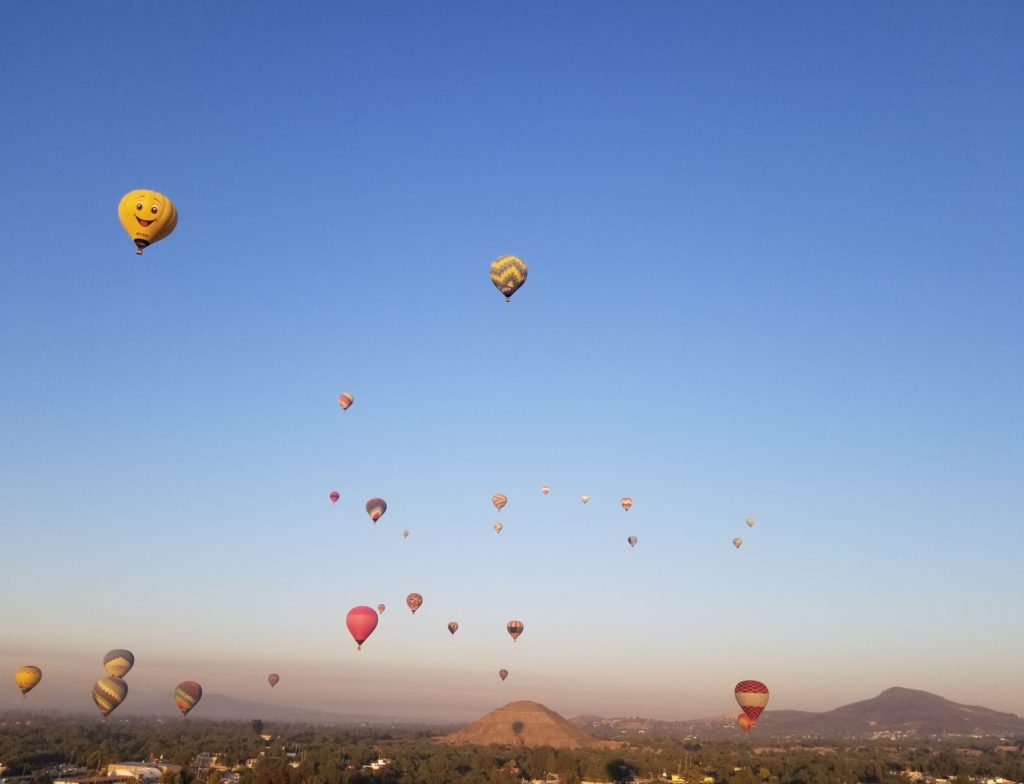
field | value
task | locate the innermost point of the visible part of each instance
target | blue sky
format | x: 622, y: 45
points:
x: 775, y: 271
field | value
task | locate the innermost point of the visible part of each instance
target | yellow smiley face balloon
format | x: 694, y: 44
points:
x: 147, y: 216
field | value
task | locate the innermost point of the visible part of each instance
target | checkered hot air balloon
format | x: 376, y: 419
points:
x: 499, y: 500
x: 515, y: 628
x: 376, y: 507
x: 187, y: 695
x: 508, y: 274
x: 752, y: 696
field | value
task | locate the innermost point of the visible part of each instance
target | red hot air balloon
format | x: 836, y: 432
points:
x: 499, y: 500
x: 752, y: 696
x: 376, y: 507
x: 745, y: 722
x: 515, y: 628
x: 361, y: 621
x: 273, y: 679
x: 414, y: 601
x: 453, y: 627
x: 503, y: 674
x: 345, y: 399
x: 335, y: 495
x: 380, y: 607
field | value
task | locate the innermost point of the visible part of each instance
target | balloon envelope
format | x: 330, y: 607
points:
x: 28, y: 678
x: 498, y: 527
x: 750, y: 522
x: 108, y: 693
x: 627, y: 503
x: 273, y: 679
x: 118, y: 662
x: 515, y: 628
x: 405, y: 534
x: 335, y: 495
x: 187, y: 695
x: 503, y: 674
x: 345, y: 399
x: 376, y: 507
x: 737, y: 542
x: 633, y: 540
x: 508, y: 274
x: 545, y: 489
x: 453, y: 627
x: 361, y: 621
x: 752, y: 696
x: 584, y: 498
x: 499, y: 500
x: 147, y: 216
x: 414, y: 601
x: 380, y: 607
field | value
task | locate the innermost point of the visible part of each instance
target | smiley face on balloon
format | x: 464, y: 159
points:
x: 147, y: 216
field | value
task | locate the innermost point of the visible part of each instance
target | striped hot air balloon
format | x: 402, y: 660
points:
x: 632, y: 541
x: 345, y: 400
x: 414, y: 601
x: 376, y: 507
x: 515, y: 628
x: 108, y: 693
x: 118, y: 662
x: 627, y: 503
x: 187, y: 695
x: 361, y: 621
x: 28, y: 678
x: 453, y: 627
x: 508, y: 274
x: 752, y: 696
x: 499, y: 500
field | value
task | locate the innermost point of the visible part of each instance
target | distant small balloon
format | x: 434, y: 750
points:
x: 499, y: 500
x: 376, y: 507
x: 514, y: 628
x: 414, y: 601
x: 345, y: 400
x: 632, y: 541
x: 273, y: 679
x: 453, y: 627
x: 187, y: 696
x: 750, y: 522
x: 498, y: 527
x: 28, y: 678
x: 627, y: 503
x: 508, y: 273
x: 405, y: 534
x: 503, y: 674
x: 380, y: 608
x: 737, y: 541
x: 545, y: 489
x: 584, y: 498
x: 335, y: 495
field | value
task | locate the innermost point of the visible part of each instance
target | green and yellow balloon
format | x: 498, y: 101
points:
x: 508, y: 274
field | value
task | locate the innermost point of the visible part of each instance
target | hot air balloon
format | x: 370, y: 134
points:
x: 745, y: 722
x: 515, y: 628
x: 405, y: 534
x: 627, y: 503
x: 584, y: 498
x: 273, y: 679
x: 545, y: 489
x: 380, y: 607
x: 508, y: 273
x: 187, y: 695
x: 752, y: 696
x: 28, y: 678
x: 503, y: 674
x: 750, y: 522
x: 147, y: 216
x: 118, y: 662
x: 499, y: 500
x: 361, y: 621
x: 453, y: 627
x: 345, y: 399
x: 737, y: 541
x: 498, y: 527
x: 335, y: 495
x: 108, y: 693
x: 376, y: 507
x: 414, y: 601
x: 632, y: 541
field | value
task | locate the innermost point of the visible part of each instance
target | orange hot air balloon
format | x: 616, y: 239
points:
x: 273, y: 679
x: 345, y: 400
x: 515, y: 628
x: 503, y: 674
x: 545, y: 489
x: 335, y: 495
x: 499, y: 500
x: 28, y: 678
x: 632, y: 541
x: 745, y: 722
x: 737, y: 542
x: 498, y: 527
x: 752, y: 696
x: 380, y: 607
x: 453, y: 627
x: 627, y: 503
x: 361, y: 621
x: 584, y: 498
x: 750, y: 522
x: 414, y: 601
x: 376, y: 507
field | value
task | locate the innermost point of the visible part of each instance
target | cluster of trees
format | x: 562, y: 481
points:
x: 337, y: 755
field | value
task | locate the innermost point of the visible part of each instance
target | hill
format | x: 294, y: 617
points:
x: 895, y: 713
x: 523, y: 723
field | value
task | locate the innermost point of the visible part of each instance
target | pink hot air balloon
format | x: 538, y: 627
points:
x: 361, y: 622
x: 503, y: 674
x: 414, y: 601
x: 545, y: 489
x: 380, y: 608
x: 335, y: 495
x: 273, y: 679
x: 499, y: 500
x: 752, y: 696
x: 514, y: 628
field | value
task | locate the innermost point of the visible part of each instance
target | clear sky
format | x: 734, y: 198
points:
x: 775, y: 270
